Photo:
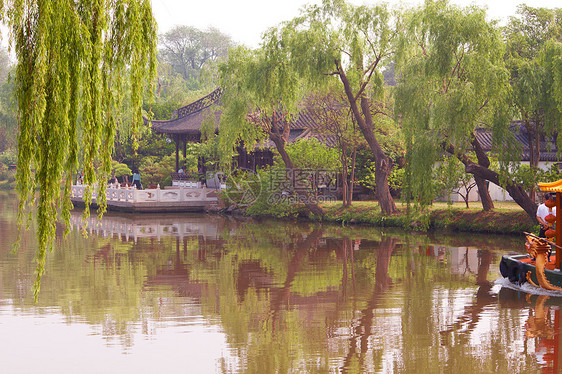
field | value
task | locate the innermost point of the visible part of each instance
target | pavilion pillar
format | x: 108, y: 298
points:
x: 177, y: 153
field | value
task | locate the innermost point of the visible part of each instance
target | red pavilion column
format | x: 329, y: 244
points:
x: 558, y: 228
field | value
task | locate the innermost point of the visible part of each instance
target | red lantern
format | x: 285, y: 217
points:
x: 550, y: 218
x: 550, y: 233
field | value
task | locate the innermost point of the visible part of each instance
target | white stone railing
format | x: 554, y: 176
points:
x: 186, y: 184
x: 131, y: 194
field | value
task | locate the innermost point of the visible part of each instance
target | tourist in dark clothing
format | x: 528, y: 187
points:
x: 137, y: 179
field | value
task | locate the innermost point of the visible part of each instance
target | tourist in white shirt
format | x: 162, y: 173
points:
x: 543, y: 211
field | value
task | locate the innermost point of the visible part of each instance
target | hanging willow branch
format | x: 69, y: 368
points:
x: 72, y: 55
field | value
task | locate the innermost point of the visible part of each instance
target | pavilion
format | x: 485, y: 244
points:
x: 186, y: 122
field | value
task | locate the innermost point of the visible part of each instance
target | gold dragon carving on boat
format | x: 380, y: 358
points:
x: 539, y: 248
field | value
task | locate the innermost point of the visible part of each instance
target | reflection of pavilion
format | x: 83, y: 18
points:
x: 152, y: 226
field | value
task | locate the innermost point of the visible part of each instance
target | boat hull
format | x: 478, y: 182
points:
x: 515, y: 268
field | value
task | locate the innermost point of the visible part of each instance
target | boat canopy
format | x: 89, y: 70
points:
x: 552, y: 186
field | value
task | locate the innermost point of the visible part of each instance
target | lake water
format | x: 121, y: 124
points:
x: 214, y: 294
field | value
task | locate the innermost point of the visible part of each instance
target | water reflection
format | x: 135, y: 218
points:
x: 216, y: 294
x: 543, y: 325
x: 134, y: 227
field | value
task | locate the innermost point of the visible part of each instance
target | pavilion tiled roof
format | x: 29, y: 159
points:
x: 188, y: 120
x: 189, y: 125
x: 548, y: 147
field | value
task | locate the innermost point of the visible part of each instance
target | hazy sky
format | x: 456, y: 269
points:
x: 245, y: 20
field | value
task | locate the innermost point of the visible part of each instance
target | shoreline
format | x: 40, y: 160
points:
x: 502, y: 221
x: 511, y: 220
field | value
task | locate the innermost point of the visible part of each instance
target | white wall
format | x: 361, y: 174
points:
x: 496, y: 193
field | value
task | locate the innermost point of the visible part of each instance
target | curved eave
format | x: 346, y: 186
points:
x: 551, y: 187
x: 173, y: 127
x: 188, y: 125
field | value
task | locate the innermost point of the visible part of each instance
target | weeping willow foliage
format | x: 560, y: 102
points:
x: 453, y: 80
x: 550, y: 59
x: 256, y: 82
x: 72, y: 56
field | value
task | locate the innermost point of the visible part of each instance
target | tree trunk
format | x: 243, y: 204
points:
x: 465, y: 198
x: 345, y: 183
x: 352, y: 182
x: 383, y: 164
x: 518, y: 194
x: 484, y: 161
x: 382, y: 171
x: 280, y: 145
x: 485, y: 198
x: 280, y: 296
x: 360, y: 340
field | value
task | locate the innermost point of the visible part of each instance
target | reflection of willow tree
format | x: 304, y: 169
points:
x: 417, y: 322
x: 259, y: 319
x: 270, y: 282
x: 359, y: 341
x: 298, y: 285
x: 450, y: 318
x: 288, y: 291
x: 471, y: 315
x: 99, y: 280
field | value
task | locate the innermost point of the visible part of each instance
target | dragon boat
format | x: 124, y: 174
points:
x: 541, y: 265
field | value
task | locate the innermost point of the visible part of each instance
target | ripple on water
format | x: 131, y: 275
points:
x: 527, y: 288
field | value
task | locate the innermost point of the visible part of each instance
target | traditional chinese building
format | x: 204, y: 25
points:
x: 187, y: 121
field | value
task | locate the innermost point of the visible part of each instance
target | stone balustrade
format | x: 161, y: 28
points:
x: 116, y: 193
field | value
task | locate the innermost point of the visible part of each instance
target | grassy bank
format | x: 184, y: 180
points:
x: 506, y: 218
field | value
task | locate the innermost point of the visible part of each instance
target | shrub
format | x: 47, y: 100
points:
x: 156, y: 170
x: 8, y: 157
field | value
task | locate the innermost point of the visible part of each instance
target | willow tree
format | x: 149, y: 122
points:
x: 453, y: 81
x: 532, y: 39
x: 349, y: 43
x: 260, y: 100
x: 71, y: 57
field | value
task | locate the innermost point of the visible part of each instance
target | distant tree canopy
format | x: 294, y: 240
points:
x: 187, y: 49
